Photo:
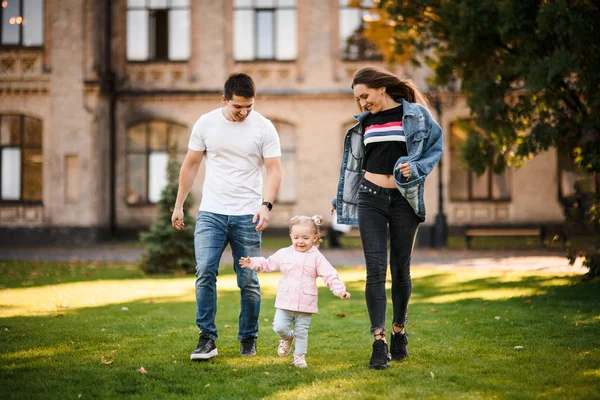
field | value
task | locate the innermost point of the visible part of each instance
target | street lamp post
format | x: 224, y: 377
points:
x: 440, y: 230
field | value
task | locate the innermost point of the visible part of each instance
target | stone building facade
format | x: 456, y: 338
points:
x: 93, y: 94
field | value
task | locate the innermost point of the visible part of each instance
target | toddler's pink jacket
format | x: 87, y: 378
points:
x: 297, y: 289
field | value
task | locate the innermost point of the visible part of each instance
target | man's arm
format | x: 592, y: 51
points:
x: 187, y: 175
x: 270, y: 189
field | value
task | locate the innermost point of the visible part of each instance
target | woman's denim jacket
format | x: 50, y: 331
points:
x: 425, y: 144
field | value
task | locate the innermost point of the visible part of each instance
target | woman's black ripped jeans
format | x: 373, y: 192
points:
x: 379, y: 208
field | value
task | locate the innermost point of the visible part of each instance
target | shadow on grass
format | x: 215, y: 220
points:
x: 464, y: 347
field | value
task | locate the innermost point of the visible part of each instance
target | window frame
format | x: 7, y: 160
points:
x: 471, y: 176
x: 151, y: 11
x: 22, y: 146
x: 342, y: 53
x: 20, y: 45
x: 256, y: 10
x: 147, y: 152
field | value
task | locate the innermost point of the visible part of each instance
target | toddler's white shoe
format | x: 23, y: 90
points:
x: 285, y: 345
x: 299, y: 361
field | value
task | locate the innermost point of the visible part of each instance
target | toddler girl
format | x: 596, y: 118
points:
x: 296, y: 301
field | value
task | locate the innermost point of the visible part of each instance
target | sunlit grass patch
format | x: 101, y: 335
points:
x: 472, y: 334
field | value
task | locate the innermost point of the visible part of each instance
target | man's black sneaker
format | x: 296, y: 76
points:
x: 248, y: 347
x: 380, y: 356
x: 206, y: 349
x: 398, y: 346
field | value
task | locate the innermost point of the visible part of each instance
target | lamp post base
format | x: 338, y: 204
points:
x: 440, y: 232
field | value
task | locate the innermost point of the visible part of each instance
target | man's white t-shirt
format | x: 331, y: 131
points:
x: 234, y: 160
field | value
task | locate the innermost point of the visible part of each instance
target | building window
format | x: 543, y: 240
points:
x: 158, y: 30
x: 466, y: 185
x: 22, y: 23
x: 264, y: 30
x: 20, y: 159
x: 150, y: 145
x: 287, y: 192
x: 353, y: 46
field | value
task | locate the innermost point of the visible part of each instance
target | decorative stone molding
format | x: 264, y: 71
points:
x: 271, y: 75
x: 155, y: 76
x: 21, y: 214
x: 28, y: 65
x: 24, y: 91
x: 21, y: 64
x: 8, y: 65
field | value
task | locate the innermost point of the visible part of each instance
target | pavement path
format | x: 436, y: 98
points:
x: 444, y: 259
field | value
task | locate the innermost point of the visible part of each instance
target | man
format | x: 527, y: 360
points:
x: 234, y: 209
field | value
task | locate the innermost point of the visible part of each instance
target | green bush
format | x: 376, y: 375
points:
x: 168, y: 250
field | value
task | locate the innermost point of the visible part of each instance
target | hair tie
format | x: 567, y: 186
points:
x: 317, y: 219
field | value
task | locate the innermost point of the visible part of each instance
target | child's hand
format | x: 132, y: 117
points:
x: 245, y: 262
x: 344, y: 295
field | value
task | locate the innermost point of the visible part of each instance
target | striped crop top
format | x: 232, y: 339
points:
x: 384, y: 140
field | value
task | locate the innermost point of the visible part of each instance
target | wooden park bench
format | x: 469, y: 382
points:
x: 507, y: 231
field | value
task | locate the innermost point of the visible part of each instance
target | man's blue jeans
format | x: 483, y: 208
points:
x: 212, y: 234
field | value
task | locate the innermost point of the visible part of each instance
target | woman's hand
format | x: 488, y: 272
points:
x: 404, y: 168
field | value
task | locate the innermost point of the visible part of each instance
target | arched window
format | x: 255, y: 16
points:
x: 466, y: 185
x: 20, y: 158
x: 149, y: 147
x: 287, y: 137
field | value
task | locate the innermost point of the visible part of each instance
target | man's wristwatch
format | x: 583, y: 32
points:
x: 268, y: 205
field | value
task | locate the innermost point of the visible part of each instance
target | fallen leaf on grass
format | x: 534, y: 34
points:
x: 341, y: 315
x: 142, y: 371
x: 124, y: 309
x: 267, y: 373
x: 518, y: 347
x: 227, y: 326
x: 433, y: 310
x: 109, y: 361
x: 528, y: 301
x: 432, y: 374
x: 497, y: 317
x: 297, y: 372
x: 207, y: 385
x: 266, y: 319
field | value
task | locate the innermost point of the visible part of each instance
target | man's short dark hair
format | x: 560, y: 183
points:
x: 240, y: 85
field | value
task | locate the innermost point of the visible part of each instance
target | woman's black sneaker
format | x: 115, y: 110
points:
x: 380, y: 356
x: 398, y: 346
x: 206, y: 349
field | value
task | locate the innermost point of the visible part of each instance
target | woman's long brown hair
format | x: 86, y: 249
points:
x: 374, y: 78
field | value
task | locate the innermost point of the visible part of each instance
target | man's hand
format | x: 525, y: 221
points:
x: 245, y: 262
x: 177, y: 218
x: 262, y: 216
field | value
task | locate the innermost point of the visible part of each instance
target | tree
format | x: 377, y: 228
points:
x: 169, y: 250
x: 529, y: 71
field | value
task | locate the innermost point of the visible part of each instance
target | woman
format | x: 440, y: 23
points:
x: 387, y: 156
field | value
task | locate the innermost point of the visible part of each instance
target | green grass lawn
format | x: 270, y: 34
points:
x: 70, y: 331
